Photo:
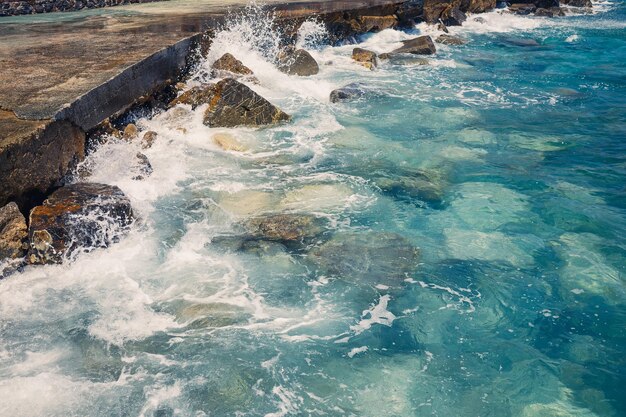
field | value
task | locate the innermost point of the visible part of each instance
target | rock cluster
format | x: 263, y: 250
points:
x: 13, y: 232
x: 14, y: 8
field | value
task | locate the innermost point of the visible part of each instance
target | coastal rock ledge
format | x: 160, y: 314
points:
x: 77, y: 218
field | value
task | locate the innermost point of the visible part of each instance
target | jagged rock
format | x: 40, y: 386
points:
x: 228, y: 63
x: 522, y: 8
x: 349, y: 92
x: 195, y: 96
x: 13, y: 232
x: 408, y: 12
x: 77, y: 218
x: 234, y: 104
x: 442, y: 27
x: 447, y: 11
x: 422, y: 45
x: 450, y: 40
x: 554, y: 11
x: 477, y: 6
x: 228, y: 142
x: 143, y: 167
x: 577, y: 3
x: 285, y: 228
x: 130, y: 132
x: 364, y: 57
x: 297, y: 62
x: 377, y: 23
x: 370, y: 257
x: 148, y: 139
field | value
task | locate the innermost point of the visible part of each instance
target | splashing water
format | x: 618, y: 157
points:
x: 466, y: 258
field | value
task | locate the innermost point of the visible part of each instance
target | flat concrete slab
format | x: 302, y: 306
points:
x: 48, y: 61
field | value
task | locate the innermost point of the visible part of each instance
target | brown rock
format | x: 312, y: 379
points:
x: 130, y: 132
x: 297, y: 62
x: 377, y: 23
x: 422, y: 45
x: 35, y: 156
x: 450, y: 40
x: 477, y: 6
x: 285, y: 227
x: 13, y: 232
x: 364, y: 57
x: 148, y: 139
x: 77, y: 218
x: 228, y: 63
x: 195, y: 96
x: 234, y: 104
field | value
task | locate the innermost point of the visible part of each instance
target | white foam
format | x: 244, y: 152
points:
x: 356, y: 351
x: 378, y: 314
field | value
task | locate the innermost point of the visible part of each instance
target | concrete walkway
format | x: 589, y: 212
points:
x: 48, y: 61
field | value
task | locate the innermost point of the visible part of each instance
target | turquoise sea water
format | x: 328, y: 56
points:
x: 503, y: 161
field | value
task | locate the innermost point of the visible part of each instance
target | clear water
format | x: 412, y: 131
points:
x: 517, y: 306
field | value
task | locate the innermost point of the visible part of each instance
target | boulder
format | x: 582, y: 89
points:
x: 450, y: 40
x: 377, y: 23
x: 453, y: 17
x: 364, y: 57
x: 477, y: 6
x: 13, y: 232
x: 422, y: 45
x: 349, y: 92
x: 235, y: 104
x: 408, y: 12
x: 369, y: 257
x: 442, y: 27
x: 446, y: 11
x: 297, y: 62
x: 229, y: 64
x: 130, y: 132
x: 77, y: 218
x: 148, y: 139
x: 522, y: 8
x: 285, y: 228
x: 577, y: 3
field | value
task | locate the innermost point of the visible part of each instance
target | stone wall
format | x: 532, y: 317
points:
x: 14, y: 8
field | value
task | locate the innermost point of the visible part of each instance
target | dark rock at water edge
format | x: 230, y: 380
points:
x: 196, y: 96
x: 450, y: 40
x: 143, y: 167
x: 77, y: 218
x: 577, y: 3
x: 297, y: 62
x: 232, y: 103
x: 368, y: 258
x: 364, y: 57
x: 422, y: 45
x: 13, y: 232
x: 446, y: 11
x: 352, y: 91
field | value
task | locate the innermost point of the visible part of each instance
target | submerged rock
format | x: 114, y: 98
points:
x: 297, y: 62
x: 364, y: 57
x: 228, y: 142
x: 422, y: 45
x: 228, y: 63
x: 417, y: 186
x: 13, y: 232
x: 372, y: 257
x: 286, y: 227
x: 349, y: 92
x: 233, y: 104
x: 450, y: 40
x: 143, y: 167
x: 75, y: 218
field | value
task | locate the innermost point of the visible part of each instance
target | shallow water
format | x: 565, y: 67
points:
x: 504, y: 164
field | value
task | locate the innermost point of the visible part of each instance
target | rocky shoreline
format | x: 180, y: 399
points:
x: 47, y: 218
x: 17, y: 8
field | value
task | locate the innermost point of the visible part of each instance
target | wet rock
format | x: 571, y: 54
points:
x: 404, y: 59
x: 350, y: 92
x: 450, y: 40
x: 13, y: 232
x: 522, y: 8
x: 143, y: 167
x: 248, y: 202
x: 577, y: 3
x: 148, y: 139
x: 446, y: 11
x: 480, y: 20
x: 195, y: 96
x: 369, y: 257
x: 317, y: 197
x: 234, y: 104
x: 228, y: 142
x: 297, y: 62
x: 377, y: 23
x: 130, y: 132
x: 229, y: 64
x: 552, y: 12
x: 442, y: 27
x: 77, y: 218
x: 478, y: 6
x: 422, y: 45
x: 453, y: 17
x: 364, y: 57
x: 285, y: 228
